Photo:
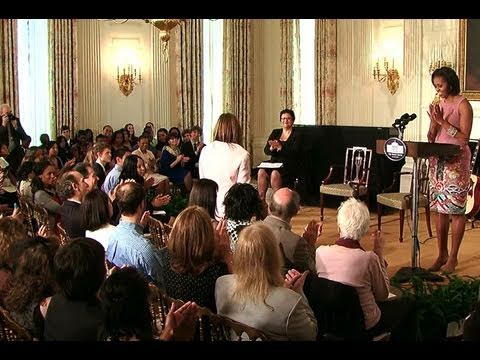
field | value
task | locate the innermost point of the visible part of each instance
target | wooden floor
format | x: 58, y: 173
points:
x: 399, y: 254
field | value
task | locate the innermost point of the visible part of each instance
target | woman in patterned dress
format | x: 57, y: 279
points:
x: 450, y: 123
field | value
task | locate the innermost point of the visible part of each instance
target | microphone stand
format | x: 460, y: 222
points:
x: 406, y: 273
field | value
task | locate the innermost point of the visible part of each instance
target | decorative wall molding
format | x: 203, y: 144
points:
x: 89, y: 75
x: 160, y: 85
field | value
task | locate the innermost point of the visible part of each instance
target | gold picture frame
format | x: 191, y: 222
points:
x: 469, y: 58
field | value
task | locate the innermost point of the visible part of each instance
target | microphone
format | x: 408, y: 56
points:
x: 400, y: 120
x: 408, y: 118
x: 396, y: 123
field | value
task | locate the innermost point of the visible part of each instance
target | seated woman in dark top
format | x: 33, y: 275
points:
x: 33, y: 281
x: 125, y: 301
x: 172, y: 163
x: 204, y: 194
x: 190, y: 266
x: 242, y: 203
x: 134, y: 169
x: 283, y: 146
x: 74, y: 313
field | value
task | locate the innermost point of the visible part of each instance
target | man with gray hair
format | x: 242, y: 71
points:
x: 299, y: 251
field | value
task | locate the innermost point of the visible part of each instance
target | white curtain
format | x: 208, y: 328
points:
x: 303, y: 71
x: 212, y: 76
x: 33, y: 74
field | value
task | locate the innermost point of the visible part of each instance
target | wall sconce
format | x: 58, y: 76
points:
x: 128, y: 79
x: 391, y: 75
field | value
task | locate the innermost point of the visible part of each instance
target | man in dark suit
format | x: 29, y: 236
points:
x: 72, y: 188
x: 192, y: 149
x: 11, y: 132
x: 104, y: 156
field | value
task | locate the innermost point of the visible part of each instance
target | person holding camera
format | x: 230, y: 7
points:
x: 11, y: 133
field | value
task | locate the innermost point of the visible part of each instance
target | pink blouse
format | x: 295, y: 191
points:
x: 363, y: 270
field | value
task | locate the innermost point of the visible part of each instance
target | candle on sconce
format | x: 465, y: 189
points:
x: 123, y: 71
x: 393, y: 63
x: 118, y: 71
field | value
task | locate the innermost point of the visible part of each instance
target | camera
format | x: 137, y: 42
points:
x: 11, y: 116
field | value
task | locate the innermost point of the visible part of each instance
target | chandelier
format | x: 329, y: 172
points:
x: 165, y: 26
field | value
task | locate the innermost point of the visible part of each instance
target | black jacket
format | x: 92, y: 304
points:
x: 71, y: 219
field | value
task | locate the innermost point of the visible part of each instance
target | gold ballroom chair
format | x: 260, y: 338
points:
x: 356, y: 172
x: 403, y: 201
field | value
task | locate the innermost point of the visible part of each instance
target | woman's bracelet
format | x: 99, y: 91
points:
x: 452, y: 131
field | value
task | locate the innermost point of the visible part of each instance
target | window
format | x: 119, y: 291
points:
x: 212, y: 75
x: 33, y: 77
x: 304, y: 71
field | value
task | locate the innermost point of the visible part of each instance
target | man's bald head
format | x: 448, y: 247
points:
x: 285, y: 204
x: 129, y: 197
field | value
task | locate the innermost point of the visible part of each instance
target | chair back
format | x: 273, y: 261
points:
x: 336, y: 307
x: 64, y: 238
x: 159, y: 307
x: 40, y: 216
x: 210, y: 326
x: 357, y: 165
x: 27, y: 211
x: 10, y: 330
x: 158, y: 233
x: 423, y: 168
x: 214, y: 327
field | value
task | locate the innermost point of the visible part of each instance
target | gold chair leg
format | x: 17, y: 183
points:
x: 321, y: 207
x: 402, y: 220
x: 427, y: 217
x: 379, y: 216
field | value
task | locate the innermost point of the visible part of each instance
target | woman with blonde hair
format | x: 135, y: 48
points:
x: 256, y: 293
x: 225, y: 161
x: 191, y: 264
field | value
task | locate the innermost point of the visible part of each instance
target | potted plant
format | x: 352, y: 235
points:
x: 442, y: 308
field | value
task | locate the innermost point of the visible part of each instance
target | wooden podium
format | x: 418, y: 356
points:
x: 418, y: 150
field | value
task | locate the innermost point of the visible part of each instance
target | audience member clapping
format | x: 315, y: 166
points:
x: 257, y: 295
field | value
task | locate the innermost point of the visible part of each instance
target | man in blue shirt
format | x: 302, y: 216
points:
x: 127, y: 245
x: 113, y: 176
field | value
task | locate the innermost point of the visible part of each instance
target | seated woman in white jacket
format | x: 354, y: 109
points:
x: 256, y: 293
